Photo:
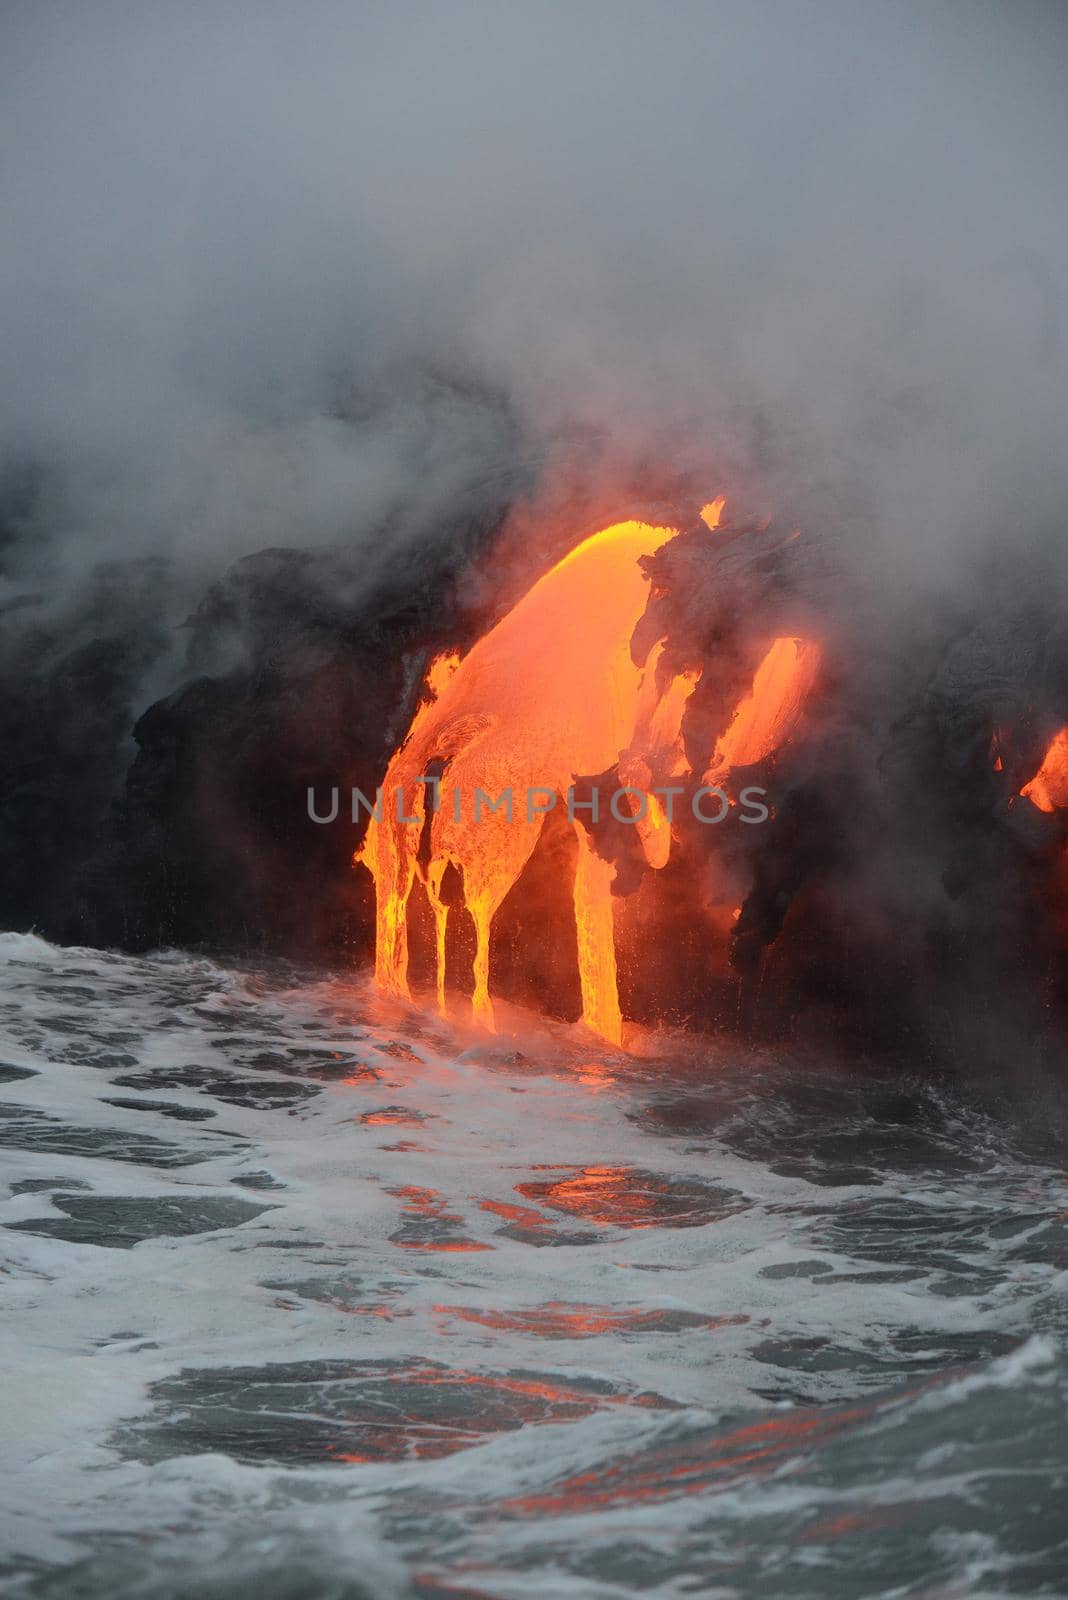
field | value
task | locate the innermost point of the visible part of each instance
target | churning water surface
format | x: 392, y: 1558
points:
x: 309, y: 1297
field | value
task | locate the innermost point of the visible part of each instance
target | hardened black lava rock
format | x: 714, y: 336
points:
x: 307, y: 676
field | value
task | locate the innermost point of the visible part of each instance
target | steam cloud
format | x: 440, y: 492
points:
x: 284, y: 274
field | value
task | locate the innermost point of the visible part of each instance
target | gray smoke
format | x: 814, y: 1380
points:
x: 282, y: 274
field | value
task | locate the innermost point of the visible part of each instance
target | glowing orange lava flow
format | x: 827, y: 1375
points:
x: 712, y: 512
x: 1048, y: 789
x: 549, y: 694
x: 770, y: 711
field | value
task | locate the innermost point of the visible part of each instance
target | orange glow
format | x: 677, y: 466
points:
x: 712, y: 512
x: 769, y: 713
x: 559, y: 1319
x: 549, y: 695
x: 1048, y: 789
x: 424, y: 1202
x: 431, y: 1411
x: 690, y: 1469
x: 440, y: 671
x: 608, y: 1195
x: 363, y: 1074
x: 525, y: 1216
x: 392, y: 1116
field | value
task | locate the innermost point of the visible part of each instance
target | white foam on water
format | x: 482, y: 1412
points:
x: 453, y: 1216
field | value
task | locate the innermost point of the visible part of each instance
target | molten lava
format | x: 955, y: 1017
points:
x: 770, y: 711
x: 550, y: 694
x: 1048, y: 789
x: 712, y: 512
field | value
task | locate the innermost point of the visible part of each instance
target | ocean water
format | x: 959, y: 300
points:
x: 305, y: 1295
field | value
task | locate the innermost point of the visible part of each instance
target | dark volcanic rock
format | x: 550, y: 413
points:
x: 70, y: 676
x: 187, y: 823
x: 308, y: 673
